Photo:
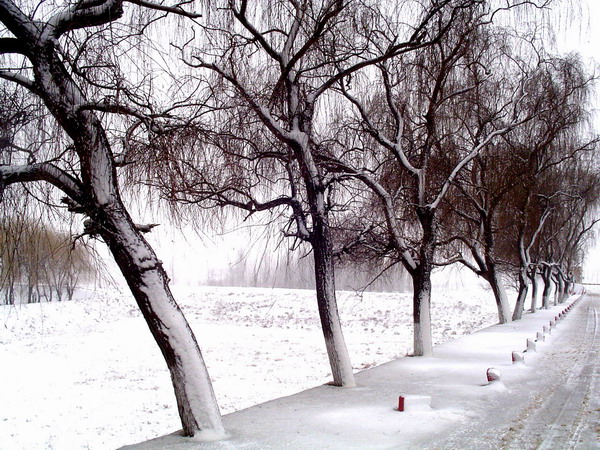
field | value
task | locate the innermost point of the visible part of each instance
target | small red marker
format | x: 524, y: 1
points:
x: 400, y: 403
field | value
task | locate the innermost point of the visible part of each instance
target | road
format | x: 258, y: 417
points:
x: 565, y: 414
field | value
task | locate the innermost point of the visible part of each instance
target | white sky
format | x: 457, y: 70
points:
x: 583, y: 35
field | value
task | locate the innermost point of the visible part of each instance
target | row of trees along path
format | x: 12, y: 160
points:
x: 415, y: 141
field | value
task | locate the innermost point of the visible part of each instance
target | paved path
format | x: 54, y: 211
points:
x: 566, y: 414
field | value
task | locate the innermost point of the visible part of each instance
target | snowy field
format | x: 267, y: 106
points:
x: 550, y: 400
x: 87, y: 374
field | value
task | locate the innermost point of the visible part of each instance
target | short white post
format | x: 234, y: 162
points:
x: 493, y: 374
x: 540, y: 337
x: 518, y: 357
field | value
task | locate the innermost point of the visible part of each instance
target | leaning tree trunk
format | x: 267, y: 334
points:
x: 494, y: 279
x: 148, y: 282
x: 522, y: 295
x: 320, y: 239
x: 546, y: 275
x: 339, y: 359
x: 143, y: 272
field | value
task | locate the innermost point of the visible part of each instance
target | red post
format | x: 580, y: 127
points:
x: 400, y: 403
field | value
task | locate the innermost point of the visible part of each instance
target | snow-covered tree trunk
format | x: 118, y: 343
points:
x: 521, y: 296
x: 423, y: 342
x: 534, y: 289
x: 148, y: 282
x: 339, y: 360
x: 93, y: 187
x: 146, y: 278
x: 421, y: 276
x: 495, y: 281
x: 320, y: 239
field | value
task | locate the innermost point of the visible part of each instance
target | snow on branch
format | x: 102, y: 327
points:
x: 19, y: 79
x: 17, y: 22
x: 467, y: 159
x: 145, y: 228
x: 42, y: 172
x: 87, y: 13
x: 262, y: 112
x: 172, y: 9
x: 394, y: 147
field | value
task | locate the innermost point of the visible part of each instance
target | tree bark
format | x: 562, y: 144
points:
x: 339, y: 360
x: 421, y: 276
x: 555, y: 282
x: 423, y: 342
x: 495, y: 281
x: 546, y: 275
x: 522, y: 295
x: 567, y: 288
x: 534, y: 290
x: 320, y: 239
x: 148, y: 282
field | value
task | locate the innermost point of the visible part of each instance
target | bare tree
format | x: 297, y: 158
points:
x: 479, y: 219
x: 275, y: 66
x: 59, y: 53
x: 574, y: 203
x: 548, y: 144
x: 423, y: 122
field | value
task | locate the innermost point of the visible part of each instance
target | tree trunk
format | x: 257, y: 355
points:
x: 566, y: 289
x: 556, y: 289
x: 143, y: 272
x: 423, y: 342
x: 547, y: 287
x: 495, y: 281
x: 491, y: 271
x: 339, y: 360
x: 522, y: 295
x: 148, y: 282
x: 320, y: 238
x: 560, y: 289
x: 534, y: 290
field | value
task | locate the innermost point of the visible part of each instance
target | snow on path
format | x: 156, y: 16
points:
x: 466, y: 412
x: 569, y: 416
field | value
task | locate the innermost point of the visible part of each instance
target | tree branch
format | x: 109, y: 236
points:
x: 174, y: 9
x: 42, y: 172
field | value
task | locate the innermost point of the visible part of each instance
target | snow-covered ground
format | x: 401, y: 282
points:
x: 87, y: 374
x: 550, y: 401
